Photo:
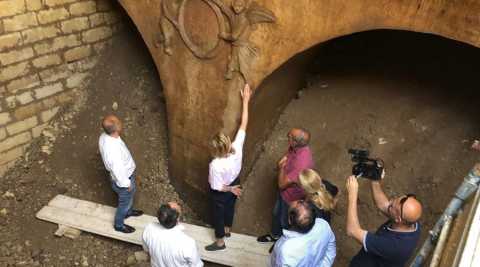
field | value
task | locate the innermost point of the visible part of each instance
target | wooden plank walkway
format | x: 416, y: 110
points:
x: 242, y: 250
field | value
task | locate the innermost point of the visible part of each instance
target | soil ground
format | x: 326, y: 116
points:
x: 407, y: 97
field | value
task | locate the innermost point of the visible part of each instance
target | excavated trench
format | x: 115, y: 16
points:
x: 408, y: 97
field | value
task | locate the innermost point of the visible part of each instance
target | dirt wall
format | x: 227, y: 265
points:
x: 47, y: 48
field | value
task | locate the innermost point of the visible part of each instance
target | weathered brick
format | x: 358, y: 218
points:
x: 24, y: 82
x: 76, y: 80
x: 39, y: 33
x: 96, y: 34
x: 46, y: 61
x: 77, y: 53
x: 83, y: 8
x: 57, y: 44
x: 65, y: 97
x: 49, y: 114
x: 11, y: 155
x: 3, y: 133
x: 24, y: 98
x: 14, y: 141
x: 99, y: 47
x: 111, y: 17
x: 22, y: 126
x: 54, y: 74
x: 28, y: 110
x: 83, y: 65
x: 11, y: 7
x: 37, y: 131
x: 20, y: 22
x: 52, y: 15
x: 96, y: 19
x: 14, y: 71
x: 34, y: 5
x: 48, y: 90
x: 75, y: 25
x: 51, y: 3
x: 11, y: 102
x: 10, y: 40
x: 15, y: 55
x: 4, y: 118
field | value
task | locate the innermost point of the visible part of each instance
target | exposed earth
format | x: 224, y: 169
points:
x: 409, y: 98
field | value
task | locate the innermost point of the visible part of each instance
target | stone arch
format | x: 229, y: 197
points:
x: 201, y: 102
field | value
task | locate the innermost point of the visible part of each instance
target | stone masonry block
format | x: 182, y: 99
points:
x: 28, y: 110
x: 56, y: 44
x: 77, y: 53
x: 52, y: 15
x: 83, y: 64
x: 11, y: 155
x: 3, y: 133
x: 11, y: 7
x: 24, y: 98
x: 4, y: 118
x: 97, y: 19
x: 55, y: 74
x: 10, y: 40
x: 49, y: 114
x: 34, y: 5
x: 75, y: 25
x: 11, y: 102
x: 51, y: 3
x: 47, y: 61
x: 24, y: 82
x: 83, y: 8
x: 16, y: 55
x: 22, y: 126
x: 14, y: 141
x: 76, y: 80
x: 39, y: 33
x: 37, y: 131
x: 14, y: 71
x: 48, y: 90
x: 20, y: 22
x: 96, y: 34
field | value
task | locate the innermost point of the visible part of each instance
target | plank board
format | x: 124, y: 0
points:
x: 242, y: 250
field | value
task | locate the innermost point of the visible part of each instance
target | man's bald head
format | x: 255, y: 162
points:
x: 298, y: 137
x: 412, y: 210
x: 301, y: 217
x: 111, y: 124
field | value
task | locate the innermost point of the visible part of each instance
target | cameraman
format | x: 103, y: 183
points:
x: 394, y: 242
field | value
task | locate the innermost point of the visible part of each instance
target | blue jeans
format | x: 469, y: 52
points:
x: 125, y: 201
x: 280, y: 217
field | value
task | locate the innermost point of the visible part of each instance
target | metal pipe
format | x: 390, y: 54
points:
x: 437, y: 253
x: 469, y: 185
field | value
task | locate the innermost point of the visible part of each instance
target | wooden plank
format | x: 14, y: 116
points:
x: 242, y: 250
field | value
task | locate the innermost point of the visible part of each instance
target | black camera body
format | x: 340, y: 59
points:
x: 366, y: 167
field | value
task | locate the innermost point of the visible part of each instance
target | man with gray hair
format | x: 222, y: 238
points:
x: 307, y: 242
x: 119, y: 163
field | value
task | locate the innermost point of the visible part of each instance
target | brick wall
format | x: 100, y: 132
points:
x: 47, y: 48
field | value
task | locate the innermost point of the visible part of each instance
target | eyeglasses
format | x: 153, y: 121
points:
x: 402, y: 203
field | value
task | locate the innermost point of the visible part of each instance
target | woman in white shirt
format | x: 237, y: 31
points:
x: 223, y: 176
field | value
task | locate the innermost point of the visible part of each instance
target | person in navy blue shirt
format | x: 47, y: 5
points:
x: 395, y: 241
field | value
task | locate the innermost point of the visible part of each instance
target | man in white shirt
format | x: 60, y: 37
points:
x: 119, y: 162
x: 166, y: 242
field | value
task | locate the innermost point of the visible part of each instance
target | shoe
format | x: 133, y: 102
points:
x: 228, y: 235
x: 127, y: 229
x: 215, y: 247
x: 134, y: 213
x: 266, y: 238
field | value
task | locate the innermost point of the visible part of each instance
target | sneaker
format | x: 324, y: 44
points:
x: 215, y: 247
x: 127, y: 229
x: 266, y: 238
x: 134, y: 213
x: 228, y: 235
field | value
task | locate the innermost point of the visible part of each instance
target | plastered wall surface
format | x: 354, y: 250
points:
x: 47, y: 49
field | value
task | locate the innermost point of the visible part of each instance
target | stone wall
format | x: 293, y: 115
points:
x: 47, y: 48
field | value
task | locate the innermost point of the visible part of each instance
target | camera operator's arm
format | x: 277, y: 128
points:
x: 381, y: 200
x: 353, y: 225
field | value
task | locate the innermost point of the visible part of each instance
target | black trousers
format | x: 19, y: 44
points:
x: 223, y: 209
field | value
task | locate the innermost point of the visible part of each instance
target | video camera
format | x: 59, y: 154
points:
x: 366, y: 167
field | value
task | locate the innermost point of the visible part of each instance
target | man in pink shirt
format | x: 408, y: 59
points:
x: 297, y: 158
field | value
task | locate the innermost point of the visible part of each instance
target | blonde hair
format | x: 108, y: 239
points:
x: 315, y: 190
x: 221, y: 146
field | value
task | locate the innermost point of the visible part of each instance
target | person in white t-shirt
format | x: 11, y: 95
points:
x: 223, y: 176
x: 166, y: 242
x: 119, y: 163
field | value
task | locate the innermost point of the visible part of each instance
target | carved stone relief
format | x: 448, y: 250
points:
x: 236, y: 21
